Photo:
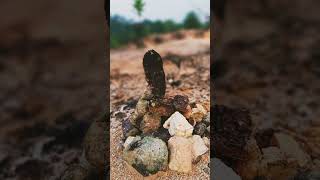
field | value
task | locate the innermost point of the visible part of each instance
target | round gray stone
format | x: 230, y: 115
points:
x: 148, y: 155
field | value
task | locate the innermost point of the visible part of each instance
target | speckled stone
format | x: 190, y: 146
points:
x: 148, y: 155
x: 200, y: 129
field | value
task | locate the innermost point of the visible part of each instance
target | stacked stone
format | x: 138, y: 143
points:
x: 184, y: 147
x: 147, y: 138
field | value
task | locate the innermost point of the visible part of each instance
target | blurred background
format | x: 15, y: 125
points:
x: 133, y: 20
x: 266, y: 59
x: 53, y: 72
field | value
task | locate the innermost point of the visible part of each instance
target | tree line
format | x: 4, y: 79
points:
x: 123, y: 31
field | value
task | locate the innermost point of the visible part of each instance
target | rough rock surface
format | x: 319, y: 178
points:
x: 274, y: 164
x: 128, y: 129
x: 75, y: 172
x: 154, y: 73
x: 222, y: 171
x: 232, y: 129
x: 206, y: 141
x: 291, y: 149
x: 150, y: 122
x: 148, y: 155
x: 180, y: 154
x: 180, y: 103
x: 95, y: 143
x: 308, y: 175
x: 250, y: 167
x: 178, y: 125
x: 199, y: 129
x: 198, y: 147
x: 130, y: 140
x: 206, y: 119
x: 198, y: 113
x: 162, y: 133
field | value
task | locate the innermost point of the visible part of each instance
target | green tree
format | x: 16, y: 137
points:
x: 138, y: 5
x: 192, y: 21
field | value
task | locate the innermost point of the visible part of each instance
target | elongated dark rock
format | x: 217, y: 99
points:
x: 154, y: 73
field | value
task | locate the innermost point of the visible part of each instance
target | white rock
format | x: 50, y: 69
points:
x: 291, y: 149
x: 178, y: 125
x: 198, y: 147
x: 180, y: 154
x: 222, y: 171
x: 130, y: 139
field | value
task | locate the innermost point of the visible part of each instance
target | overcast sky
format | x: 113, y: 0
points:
x: 161, y: 9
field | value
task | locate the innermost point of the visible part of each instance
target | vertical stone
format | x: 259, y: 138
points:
x: 154, y: 73
x: 180, y: 154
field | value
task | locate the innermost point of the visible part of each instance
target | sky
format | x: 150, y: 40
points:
x: 161, y: 9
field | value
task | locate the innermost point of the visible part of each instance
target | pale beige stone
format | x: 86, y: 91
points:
x: 180, y: 154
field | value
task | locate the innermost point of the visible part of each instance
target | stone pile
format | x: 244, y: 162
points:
x: 164, y: 131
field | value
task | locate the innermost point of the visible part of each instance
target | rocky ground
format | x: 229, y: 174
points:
x: 183, y: 57
x: 270, y: 65
x: 53, y: 84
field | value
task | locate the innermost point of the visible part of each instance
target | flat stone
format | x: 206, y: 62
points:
x: 274, y: 164
x: 291, y: 149
x: 273, y: 155
x: 180, y: 154
x: 198, y: 147
x: 178, y: 125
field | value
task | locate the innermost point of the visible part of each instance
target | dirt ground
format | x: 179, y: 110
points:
x: 53, y: 84
x: 270, y: 65
x: 187, y: 62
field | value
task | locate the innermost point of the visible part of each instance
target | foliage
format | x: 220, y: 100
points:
x: 138, y: 5
x: 124, y: 31
x: 192, y: 21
